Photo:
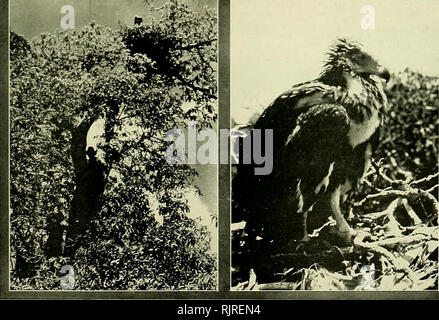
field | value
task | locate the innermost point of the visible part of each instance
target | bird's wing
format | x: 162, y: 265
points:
x: 310, y: 153
x: 295, y: 101
x: 281, y: 115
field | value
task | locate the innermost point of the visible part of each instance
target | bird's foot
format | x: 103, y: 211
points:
x: 305, y: 238
x: 345, y: 234
x: 350, y: 236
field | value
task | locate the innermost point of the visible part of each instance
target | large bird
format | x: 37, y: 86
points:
x: 324, y: 133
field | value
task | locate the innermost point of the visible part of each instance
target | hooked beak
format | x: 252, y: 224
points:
x: 384, y: 74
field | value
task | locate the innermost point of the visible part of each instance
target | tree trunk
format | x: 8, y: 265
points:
x: 85, y: 203
x: 89, y: 181
x: 55, y: 239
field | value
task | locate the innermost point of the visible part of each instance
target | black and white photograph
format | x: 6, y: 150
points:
x: 335, y: 109
x: 219, y: 159
x: 100, y: 195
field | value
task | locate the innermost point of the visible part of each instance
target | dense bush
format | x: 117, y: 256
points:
x: 410, y: 135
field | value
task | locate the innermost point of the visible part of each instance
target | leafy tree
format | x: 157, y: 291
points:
x: 410, y: 139
x: 67, y: 207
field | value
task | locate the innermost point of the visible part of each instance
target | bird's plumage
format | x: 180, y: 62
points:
x: 324, y: 132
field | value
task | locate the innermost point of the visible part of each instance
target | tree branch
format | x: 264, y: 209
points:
x: 196, y: 45
x: 426, y: 179
x: 195, y: 88
x: 152, y: 8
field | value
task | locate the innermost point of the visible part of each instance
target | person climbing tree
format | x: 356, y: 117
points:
x: 85, y: 204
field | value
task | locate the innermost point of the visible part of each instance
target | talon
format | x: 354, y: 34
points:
x: 305, y: 238
x: 300, y: 246
x: 364, y: 235
x: 346, y: 235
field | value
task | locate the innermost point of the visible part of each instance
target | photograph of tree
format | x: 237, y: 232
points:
x: 349, y: 91
x: 93, y: 90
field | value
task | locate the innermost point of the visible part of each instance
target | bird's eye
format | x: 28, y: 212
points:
x: 361, y: 59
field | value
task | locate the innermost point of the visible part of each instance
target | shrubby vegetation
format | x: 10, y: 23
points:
x: 410, y: 137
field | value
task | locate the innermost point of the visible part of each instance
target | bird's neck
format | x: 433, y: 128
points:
x: 359, y: 96
x: 334, y: 76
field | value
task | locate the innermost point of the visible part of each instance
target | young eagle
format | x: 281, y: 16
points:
x: 324, y: 133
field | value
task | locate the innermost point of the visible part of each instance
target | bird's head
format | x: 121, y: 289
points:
x: 346, y: 57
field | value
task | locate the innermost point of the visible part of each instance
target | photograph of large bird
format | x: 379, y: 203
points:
x: 324, y: 134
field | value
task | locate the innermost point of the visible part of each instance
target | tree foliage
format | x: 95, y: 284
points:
x: 410, y: 137
x: 61, y: 83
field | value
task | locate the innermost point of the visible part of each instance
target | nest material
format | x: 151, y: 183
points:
x: 395, y: 249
